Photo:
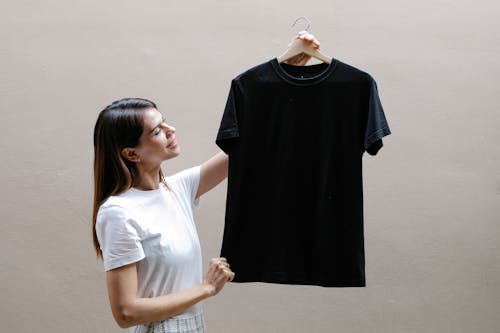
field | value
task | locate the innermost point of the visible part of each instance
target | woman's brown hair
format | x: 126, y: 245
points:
x: 118, y: 126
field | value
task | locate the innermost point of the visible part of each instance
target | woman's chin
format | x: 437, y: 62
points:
x: 172, y: 152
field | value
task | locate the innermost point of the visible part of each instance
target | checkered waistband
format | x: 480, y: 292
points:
x: 194, y: 324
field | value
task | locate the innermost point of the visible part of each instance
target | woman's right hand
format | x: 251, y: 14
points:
x: 218, y: 274
x: 301, y: 59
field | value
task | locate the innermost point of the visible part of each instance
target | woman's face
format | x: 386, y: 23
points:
x: 157, y: 142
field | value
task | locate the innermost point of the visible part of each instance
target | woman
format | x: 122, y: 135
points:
x: 143, y: 225
x: 144, y: 222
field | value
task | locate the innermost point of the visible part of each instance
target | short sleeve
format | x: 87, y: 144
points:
x: 228, y: 133
x: 118, y: 237
x: 189, y: 181
x: 376, y: 124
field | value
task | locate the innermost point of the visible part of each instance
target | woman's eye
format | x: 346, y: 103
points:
x: 158, y: 132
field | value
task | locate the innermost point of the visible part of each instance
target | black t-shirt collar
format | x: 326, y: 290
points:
x: 284, y: 71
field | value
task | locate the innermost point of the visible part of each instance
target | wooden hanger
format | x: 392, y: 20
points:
x: 299, y: 46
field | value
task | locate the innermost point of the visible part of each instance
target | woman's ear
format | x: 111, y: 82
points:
x: 130, y: 154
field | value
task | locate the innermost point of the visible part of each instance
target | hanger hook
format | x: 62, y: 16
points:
x: 305, y: 18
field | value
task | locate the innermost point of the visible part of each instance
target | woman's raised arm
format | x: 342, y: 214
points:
x: 213, y: 171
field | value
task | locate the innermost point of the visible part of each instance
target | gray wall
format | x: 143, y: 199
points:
x: 431, y: 195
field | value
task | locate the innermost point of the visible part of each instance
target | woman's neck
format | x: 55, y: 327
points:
x: 148, y: 179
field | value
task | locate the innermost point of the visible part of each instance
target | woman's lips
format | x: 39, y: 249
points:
x: 173, y: 144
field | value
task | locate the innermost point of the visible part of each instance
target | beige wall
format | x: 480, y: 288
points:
x: 431, y: 195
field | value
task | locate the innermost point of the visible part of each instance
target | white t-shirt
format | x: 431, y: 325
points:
x: 156, y: 229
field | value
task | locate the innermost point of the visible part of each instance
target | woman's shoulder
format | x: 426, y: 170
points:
x: 117, y: 199
x: 185, y: 176
x: 116, y: 204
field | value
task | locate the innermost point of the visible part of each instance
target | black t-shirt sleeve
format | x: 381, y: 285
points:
x: 376, y: 124
x: 228, y: 133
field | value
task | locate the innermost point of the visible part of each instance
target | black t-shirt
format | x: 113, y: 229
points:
x: 295, y: 136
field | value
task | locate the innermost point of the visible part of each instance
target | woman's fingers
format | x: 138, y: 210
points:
x: 225, y: 270
x: 222, y: 275
x: 302, y: 59
x: 219, y: 261
x: 231, y: 276
x: 219, y: 274
x: 304, y: 35
x: 228, y: 274
x: 220, y: 266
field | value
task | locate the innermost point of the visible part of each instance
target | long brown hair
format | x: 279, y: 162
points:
x: 119, y: 125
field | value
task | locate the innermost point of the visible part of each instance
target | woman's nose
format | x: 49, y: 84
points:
x: 169, y: 128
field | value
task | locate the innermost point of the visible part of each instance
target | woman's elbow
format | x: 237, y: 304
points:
x: 125, y: 319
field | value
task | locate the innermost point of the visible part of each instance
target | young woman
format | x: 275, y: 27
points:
x: 143, y: 221
x: 143, y: 227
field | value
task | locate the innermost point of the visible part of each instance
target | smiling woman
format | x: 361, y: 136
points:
x: 143, y: 227
x: 156, y: 144
x: 119, y: 125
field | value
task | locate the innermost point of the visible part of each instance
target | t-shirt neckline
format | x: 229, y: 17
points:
x: 281, y: 71
x: 146, y: 192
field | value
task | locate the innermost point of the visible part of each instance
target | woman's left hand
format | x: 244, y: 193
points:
x: 302, y: 58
